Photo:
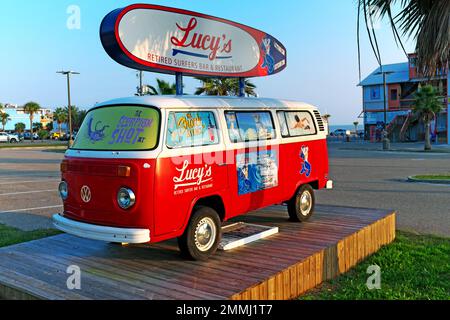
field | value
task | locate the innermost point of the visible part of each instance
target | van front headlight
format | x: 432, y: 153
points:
x: 126, y: 198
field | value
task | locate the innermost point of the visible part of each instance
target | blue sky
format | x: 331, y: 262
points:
x: 320, y: 37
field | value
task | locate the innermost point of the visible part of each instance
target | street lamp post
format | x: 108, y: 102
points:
x: 386, y: 144
x: 68, y: 74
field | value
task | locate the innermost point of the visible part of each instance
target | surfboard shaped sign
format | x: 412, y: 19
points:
x: 168, y: 40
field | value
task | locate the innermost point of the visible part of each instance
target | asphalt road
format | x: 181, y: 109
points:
x: 376, y: 179
x: 29, y: 181
x: 368, y: 179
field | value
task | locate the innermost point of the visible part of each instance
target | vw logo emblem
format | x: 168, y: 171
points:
x: 86, y: 194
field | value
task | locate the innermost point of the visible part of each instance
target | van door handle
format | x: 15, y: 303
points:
x: 222, y: 164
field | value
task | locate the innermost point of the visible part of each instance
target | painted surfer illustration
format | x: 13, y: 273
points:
x: 96, y: 134
x: 306, y: 166
x: 269, y: 62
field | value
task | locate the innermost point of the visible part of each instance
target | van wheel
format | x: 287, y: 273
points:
x: 301, y: 206
x: 202, y: 236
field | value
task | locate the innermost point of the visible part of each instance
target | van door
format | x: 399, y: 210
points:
x: 254, y: 148
x: 192, y: 166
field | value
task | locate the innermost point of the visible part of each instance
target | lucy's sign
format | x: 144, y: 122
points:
x: 169, y: 40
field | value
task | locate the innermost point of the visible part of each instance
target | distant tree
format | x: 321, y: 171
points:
x: 427, y: 105
x: 79, y: 118
x: 356, y: 123
x: 1, y: 106
x: 426, y: 21
x: 49, y: 126
x: 37, y: 126
x: 224, y: 87
x: 19, y: 127
x: 60, y: 115
x: 31, y: 108
x: 4, y: 118
x: 43, y: 134
x: 163, y: 88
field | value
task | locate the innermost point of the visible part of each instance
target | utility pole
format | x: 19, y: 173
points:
x: 68, y: 74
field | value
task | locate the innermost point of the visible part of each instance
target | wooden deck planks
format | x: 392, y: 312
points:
x: 283, y: 266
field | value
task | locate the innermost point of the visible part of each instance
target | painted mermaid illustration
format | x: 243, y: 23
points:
x: 306, y: 166
x: 269, y: 62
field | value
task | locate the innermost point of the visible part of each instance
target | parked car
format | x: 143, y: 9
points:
x: 27, y: 136
x: 8, y: 138
x: 56, y: 135
x: 65, y: 136
x: 340, y: 133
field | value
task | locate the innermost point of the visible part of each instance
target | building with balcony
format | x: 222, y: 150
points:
x: 17, y: 114
x: 402, y: 82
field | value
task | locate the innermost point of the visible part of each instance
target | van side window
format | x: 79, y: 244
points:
x: 250, y: 126
x: 296, y: 123
x: 191, y: 129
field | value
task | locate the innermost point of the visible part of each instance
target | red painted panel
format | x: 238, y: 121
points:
x: 167, y: 191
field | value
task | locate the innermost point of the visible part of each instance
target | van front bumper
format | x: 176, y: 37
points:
x: 102, y: 233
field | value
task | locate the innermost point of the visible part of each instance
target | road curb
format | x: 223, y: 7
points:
x: 438, y: 151
x: 412, y: 179
x: 34, y: 147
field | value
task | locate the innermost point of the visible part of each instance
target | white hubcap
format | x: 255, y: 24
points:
x: 205, y: 234
x: 305, y: 203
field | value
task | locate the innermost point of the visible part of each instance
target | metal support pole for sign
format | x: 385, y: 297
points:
x: 241, y: 87
x: 179, y: 83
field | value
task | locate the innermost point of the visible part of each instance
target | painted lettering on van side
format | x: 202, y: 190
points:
x: 192, y: 179
x: 257, y: 171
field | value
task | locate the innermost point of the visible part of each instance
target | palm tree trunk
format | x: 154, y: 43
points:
x: 427, y: 136
x: 31, y: 128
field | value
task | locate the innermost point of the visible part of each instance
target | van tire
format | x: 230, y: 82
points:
x: 301, y: 206
x: 13, y: 141
x: 202, y: 235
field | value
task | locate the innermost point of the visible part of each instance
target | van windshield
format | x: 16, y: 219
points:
x: 119, y: 128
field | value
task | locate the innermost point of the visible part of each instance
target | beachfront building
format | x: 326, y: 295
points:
x: 402, y: 81
x: 17, y: 114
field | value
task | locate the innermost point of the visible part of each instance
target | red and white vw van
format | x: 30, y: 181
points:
x: 148, y: 169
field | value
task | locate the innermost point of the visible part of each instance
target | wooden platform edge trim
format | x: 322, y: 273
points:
x: 327, y: 264
x: 11, y: 293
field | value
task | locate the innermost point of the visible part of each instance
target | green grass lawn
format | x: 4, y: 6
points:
x: 413, y: 267
x: 10, y: 236
x: 433, y: 177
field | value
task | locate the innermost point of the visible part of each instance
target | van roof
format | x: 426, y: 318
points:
x: 177, y: 102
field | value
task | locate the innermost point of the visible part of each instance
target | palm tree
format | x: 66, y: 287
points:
x: 60, y: 116
x: 163, y: 88
x: 427, y: 105
x: 427, y: 21
x: 19, y: 127
x: 37, y: 126
x: 224, y: 87
x: 4, y: 117
x: 31, y: 108
x: 79, y: 118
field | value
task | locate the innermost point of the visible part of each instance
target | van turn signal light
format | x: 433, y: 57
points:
x: 123, y: 171
x: 63, y: 166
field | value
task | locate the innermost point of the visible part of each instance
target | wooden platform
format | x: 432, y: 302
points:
x: 282, y: 266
